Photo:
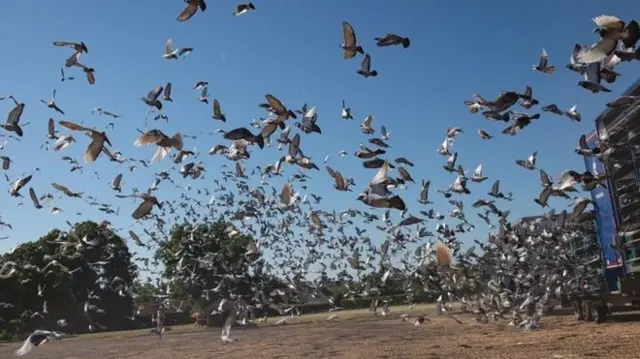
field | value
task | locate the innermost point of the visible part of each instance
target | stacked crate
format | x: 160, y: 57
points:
x: 580, y: 238
x: 621, y: 127
x: 586, y: 251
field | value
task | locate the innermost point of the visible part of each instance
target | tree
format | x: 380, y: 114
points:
x: 144, y: 292
x: 110, y: 262
x: 63, y: 271
x: 206, y: 261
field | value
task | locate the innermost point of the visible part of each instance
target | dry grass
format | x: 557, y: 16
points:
x: 362, y: 336
x: 359, y: 313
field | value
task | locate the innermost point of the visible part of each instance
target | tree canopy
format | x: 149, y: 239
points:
x: 82, y: 276
x: 206, y: 261
x: 144, y: 292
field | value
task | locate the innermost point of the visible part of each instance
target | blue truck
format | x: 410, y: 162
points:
x: 619, y: 260
x: 613, y: 263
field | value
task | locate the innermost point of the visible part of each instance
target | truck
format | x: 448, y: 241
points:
x: 617, y: 231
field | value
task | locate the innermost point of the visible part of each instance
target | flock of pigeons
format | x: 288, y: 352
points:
x: 528, y: 267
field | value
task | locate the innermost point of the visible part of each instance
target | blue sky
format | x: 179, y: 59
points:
x: 457, y: 48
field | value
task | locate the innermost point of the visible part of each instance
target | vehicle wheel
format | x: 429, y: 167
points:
x: 586, y: 310
x: 577, y: 310
x: 548, y: 310
x: 599, y: 312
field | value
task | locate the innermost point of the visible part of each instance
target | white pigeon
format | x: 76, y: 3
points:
x: 454, y: 131
x: 225, y: 336
x: 55, y: 211
x: 385, y: 309
x: 169, y: 51
x: 445, y: 147
x: 366, y: 126
x: 599, y: 51
x: 566, y: 181
x: 36, y: 339
x: 332, y: 317
x: 346, y: 112
x: 287, y: 196
x: 574, y: 114
x: 477, y: 174
x: 63, y: 142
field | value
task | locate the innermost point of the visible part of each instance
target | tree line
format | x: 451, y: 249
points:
x: 67, y: 280
x: 86, y: 279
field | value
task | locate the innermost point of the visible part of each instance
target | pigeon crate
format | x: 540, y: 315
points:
x: 593, y: 259
x: 631, y: 249
x: 633, y: 264
x: 632, y: 261
x: 630, y: 286
x: 630, y: 240
x: 611, y: 119
x: 628, y: 203
x: 582, y: 246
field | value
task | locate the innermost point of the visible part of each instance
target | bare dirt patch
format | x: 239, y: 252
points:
x: 562, y: 337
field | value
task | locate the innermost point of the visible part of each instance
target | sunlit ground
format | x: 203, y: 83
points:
x: 358, y: 334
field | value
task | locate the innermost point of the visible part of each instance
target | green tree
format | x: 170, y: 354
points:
x: 90, y: 264
x: 202, y: 262
x: 144, y: 292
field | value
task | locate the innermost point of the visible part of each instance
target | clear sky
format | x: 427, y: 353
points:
x: 291, y: 49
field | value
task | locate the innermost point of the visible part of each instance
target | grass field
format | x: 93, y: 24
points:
x: 355, y: 314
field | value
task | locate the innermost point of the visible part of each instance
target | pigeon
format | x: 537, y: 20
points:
x: 191, y: 9
x: 477, y: 175
x: 611, y: 30
x: 13, y: 120
x: 350, y: 45
x: 484, y: 134
x: 543, y: 65
x: 574, y: 63
x: 79, y: 47
x: 217, y: 112
x: 365, y: 67
x: 366, y: 127
x: 243, y: 9
x: 592, y: 79
x: 530, y: 162
x: 346, y: 112
x: 164, y: 143
x: 144, y: 209
x: 152, y: 98
x: 243, y: 133
x: 623, y: 101
x: 36, y: 339
x: 169, y: 51
x: 309, y: 122
x: 527, y: 100
x: 52, y: 103
x: 553, y: 108
x: 167, y: 92
x: 392, y: 39
x: 573, y: 113
x: 504, y: 101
